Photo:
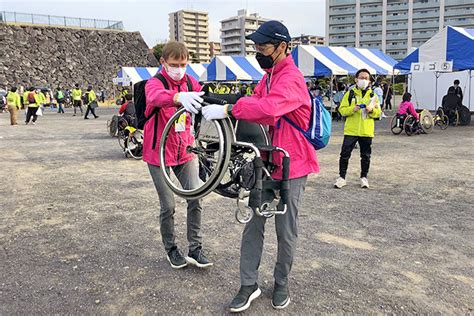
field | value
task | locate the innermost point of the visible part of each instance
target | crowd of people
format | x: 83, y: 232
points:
x: 35, y: 100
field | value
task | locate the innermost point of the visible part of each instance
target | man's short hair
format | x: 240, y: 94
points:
x: 456, y: 81
x: 360, y: 71
x: 175, y: 50
x: 128, y: 97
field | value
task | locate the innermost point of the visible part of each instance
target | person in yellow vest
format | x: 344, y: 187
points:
x: 91, y: 102
x: 76, y: 98
x: 33, y: 105
x: 25, y: 98
x: 13, y: 104
x: 41, y: 98
x: 360, y: 106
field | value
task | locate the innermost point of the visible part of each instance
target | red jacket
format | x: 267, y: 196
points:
x: 158, y: 96
x: 288, y: 96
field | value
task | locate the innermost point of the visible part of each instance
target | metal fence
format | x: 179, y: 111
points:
x: 26, y: 18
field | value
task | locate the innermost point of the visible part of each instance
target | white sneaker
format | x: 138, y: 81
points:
x: 383, y: 115
x: 340, y: 182
x: 364, y: 183
x: 34, y: 123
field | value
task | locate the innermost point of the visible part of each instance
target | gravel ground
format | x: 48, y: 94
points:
x: 79, y: 230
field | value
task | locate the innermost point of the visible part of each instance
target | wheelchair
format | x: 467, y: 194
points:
x: 230, y: 159
x: 129, y: 138
x: 440, y: 119
x: 409, y: 124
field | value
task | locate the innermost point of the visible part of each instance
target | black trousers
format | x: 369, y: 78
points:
x: 91, y: 110
x: 31, y: 113
x: 365, y: 144
x: 388, y: 104
x: 77, y: 104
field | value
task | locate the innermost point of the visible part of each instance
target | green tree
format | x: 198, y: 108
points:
x: 158, y: 50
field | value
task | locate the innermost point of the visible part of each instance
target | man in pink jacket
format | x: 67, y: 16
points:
x: 281, y: 92
x: 174, y: 60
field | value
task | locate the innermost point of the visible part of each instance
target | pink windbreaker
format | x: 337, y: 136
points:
x: 407, y: 107
x: 158, y: 96
x: 288, y: 96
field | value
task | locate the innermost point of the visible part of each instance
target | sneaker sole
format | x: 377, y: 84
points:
x: 175, y: 266
x: 339, y: 187
x: 197, y: 264
x: 253, y: 296
x: 282, y: 306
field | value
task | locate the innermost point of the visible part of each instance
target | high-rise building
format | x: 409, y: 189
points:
x: 306, y: 40
x: 234, y: 30
x: 215, y: 48
x: 394, y: 26
x: 191, y: 28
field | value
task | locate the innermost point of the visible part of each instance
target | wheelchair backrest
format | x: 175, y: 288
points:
x: 251, y: 133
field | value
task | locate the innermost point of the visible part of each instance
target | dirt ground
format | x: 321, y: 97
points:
x: 79, y: 230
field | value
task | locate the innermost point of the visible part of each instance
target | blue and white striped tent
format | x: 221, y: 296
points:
x: 323, y: 61
x: 233, y: 68
x: 454, y: 44
x: 133, y: 75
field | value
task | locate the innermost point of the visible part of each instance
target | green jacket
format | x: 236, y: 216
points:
x: 13, y: 99
x: 355, y: 124
x: 91, y: 97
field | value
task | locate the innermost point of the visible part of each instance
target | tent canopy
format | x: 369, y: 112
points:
x: 323, y: 61
x: 136, y: 74
x: 451, y: 44
x: 233, y: 68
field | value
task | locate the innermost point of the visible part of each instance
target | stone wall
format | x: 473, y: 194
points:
x: 51, y: 56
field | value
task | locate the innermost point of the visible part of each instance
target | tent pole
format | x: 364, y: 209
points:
x: 470, y: 87
x: 436, y: 91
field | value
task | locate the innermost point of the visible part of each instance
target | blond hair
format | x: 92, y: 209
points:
x: 175, y: 50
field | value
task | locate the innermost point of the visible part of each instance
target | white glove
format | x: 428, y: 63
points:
x: 190, y: 100
x: 214, y: 112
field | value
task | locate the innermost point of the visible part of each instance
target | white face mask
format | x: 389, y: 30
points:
x: 362, y: 83
x: 175, y: 73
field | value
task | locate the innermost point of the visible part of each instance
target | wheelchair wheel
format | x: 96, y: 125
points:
x: 112, y: 126
x: 121, y: 137
x: 396, y: 125
x: 443, y: 122
x: 134, y: 145
x: 426, y: 121
x: 211, y: 147
x: 409, y: 125
x: 456, y: 118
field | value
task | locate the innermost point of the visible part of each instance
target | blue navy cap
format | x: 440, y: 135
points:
x: 269, y: 31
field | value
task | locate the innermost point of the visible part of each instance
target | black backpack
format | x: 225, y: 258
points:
x: 139, y: 99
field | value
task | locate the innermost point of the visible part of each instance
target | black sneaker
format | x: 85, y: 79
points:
x: 86, y: 118
x: 176, y: 259
x: 96, y: 117
x: 281, y: 296
x: 197, y: 258
x: 244, y: 298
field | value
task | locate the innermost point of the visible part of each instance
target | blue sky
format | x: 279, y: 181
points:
x: 151, y: 17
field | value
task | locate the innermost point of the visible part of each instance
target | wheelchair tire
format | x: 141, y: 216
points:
x: 212, y: 146
x: 112, y: 126
x: 121, y: 137
x: 134, y: 146
x: 464, y: 116
x: 409, y: 125
x: 395, y: 125
x: 443, y: 122
x: 456, y: 118
x: 426, y: 121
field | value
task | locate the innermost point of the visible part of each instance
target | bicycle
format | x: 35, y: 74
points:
x: 230, y: 163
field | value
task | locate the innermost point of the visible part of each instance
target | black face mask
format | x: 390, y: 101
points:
x: 266, y: 62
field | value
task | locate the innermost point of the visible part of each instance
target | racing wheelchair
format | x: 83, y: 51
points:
x: 229, y: 153
x: 409, y: 124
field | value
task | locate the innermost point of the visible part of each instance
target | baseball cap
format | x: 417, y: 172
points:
x: 268, y: 31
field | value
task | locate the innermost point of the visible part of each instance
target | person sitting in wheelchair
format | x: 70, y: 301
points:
x: 127, y: 110
x: 406, y: 107
x: 451, y: 102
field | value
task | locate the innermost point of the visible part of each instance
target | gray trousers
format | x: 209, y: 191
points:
x: 287, y: 234
x: 188, y: 177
